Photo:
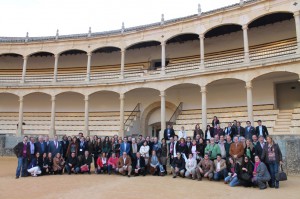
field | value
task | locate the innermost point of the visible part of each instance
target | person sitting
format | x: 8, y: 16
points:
x: 58, y: 164
x: 212, y: 149
x: 234, y: 169
x: 44, y: 167
x: 86, y: 162
x: 124, y: 164
x: 112, y: 164
x: 220, y: 168
x: 205, y: 168
x: 35, y: 165
x: 190, y: 166
x: 178, y: 165
x: 72, y: 164
x: 154, y: 164
x: 102, y: 163
x: 50, y: 163
x: 261, y: 174
x: 246, y: 173
x: 139, y: 165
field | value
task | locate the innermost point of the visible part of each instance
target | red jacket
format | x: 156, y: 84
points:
x: 113, y: 161
x: 99, y: 162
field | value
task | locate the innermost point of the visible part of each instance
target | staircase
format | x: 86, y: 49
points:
x: 283, y: 122
x: 132, y: 123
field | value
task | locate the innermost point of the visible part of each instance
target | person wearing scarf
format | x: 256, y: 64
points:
x: 261, y: 174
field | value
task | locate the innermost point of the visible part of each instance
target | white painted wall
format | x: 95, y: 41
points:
x: 155, y: 116
x: 288, y: 98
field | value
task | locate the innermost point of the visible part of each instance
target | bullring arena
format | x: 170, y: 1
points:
x: 240, y: 62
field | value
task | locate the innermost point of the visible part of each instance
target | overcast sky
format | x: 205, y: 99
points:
x: 44, y: 17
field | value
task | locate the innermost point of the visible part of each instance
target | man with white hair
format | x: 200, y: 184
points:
x: 41, y: 145
x: 236, y: 150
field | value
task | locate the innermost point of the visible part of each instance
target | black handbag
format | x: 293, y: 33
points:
x: 281, y: 175
x: 245, y: 176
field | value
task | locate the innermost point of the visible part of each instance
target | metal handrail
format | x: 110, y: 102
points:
x: 176, y: 113
x: 135, y: 110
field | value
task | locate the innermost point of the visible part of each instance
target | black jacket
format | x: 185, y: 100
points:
x: 211, y: 130
x: 265, y: 132
x: 87, y: 160
x: 258, y: 149
x: 142, y: 163
x: 172, y: 133
x: 276, y: 149
x: 74, y: 161
x: 18, y: 150
x: 180, y: 163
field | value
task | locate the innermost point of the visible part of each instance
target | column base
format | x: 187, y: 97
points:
x: 162, y: 72
x: 22, y: 81
x: 86, y: 132
x: 19, y: 132
x: 87, y: 79
x: 121, y: 77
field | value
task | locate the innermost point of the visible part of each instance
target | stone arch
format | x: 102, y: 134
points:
x: 149, y: 110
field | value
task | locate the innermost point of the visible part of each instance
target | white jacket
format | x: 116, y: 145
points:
x: 144, y: 150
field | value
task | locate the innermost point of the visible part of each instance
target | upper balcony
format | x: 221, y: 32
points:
x: 265, y: 38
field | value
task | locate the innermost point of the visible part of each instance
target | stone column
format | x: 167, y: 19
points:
x: 163, y: 110
x: 163, y: 58
x: 204, y: 107
x: 88, y: 67
x: 249, y: 101
x: 25, y: 58
x: 122, y: 63
x: 201, y: 37
x: 20, y: 123
x: 86, y: 115
x: 246, y: 44
x: 122, y: 97
x: 52, y: 124
x: 56, y: 56
x: 297, y: 23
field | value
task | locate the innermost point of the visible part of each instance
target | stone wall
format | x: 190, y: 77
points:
x: 289, y: 145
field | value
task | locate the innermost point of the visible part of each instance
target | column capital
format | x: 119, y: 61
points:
x: 201, y: 36
x: 89, y: 54
x: 21, y: 98
x: 56, y: 56
x: 53, y: 97
x: 248, y: 85
x: 86, y: 98
x: 296, y: 13
x: 203, y: 89
x: 123, y: 50
x: 163, y: 43
x: 245, y: 27
x: 122, y: 96
x: 162, y: 93
x: 25, y: 57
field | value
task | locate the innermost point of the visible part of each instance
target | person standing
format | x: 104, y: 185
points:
x: 168, y: 132
x: 261, y: 130
x: 272, y: 156
x: 22, y: 152
x: 249, y: 131
x: 198, y: 131
x: 236, y: 150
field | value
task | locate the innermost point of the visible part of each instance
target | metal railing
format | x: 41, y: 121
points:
x: 176, y: 113
x: 132, y: 115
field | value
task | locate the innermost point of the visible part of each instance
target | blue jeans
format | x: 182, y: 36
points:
x: 274, y: 166
x: 220, y: 175
x: 232, y: 181
x: 68, y: 169
x: 22, y: 165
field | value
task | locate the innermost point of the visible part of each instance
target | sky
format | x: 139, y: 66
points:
x: 44, y: 17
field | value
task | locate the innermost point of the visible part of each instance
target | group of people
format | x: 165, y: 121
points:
x: 252, y: 158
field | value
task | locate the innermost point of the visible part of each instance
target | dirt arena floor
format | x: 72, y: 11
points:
x: 104, y: 186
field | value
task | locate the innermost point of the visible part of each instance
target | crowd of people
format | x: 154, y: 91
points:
x: 237, y: 155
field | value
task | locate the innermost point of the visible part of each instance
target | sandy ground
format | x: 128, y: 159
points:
x: 104, y: 186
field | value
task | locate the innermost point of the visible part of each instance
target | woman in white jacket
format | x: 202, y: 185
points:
x: 144, y: 150
x: 190, y: 166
